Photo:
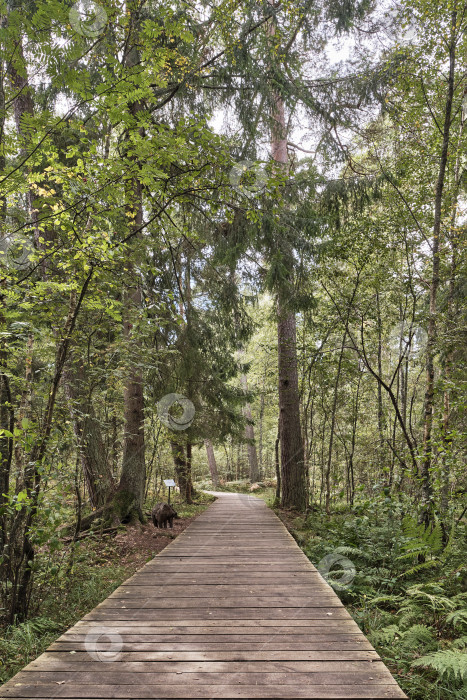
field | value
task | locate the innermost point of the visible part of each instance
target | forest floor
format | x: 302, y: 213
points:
x: 84, y: 577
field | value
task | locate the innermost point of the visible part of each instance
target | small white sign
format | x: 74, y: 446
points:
x: 169, y: 482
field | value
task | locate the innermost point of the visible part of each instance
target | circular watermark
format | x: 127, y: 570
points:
x: 104, y: 644
x: 88, y: 18
x: 407, y: 340
x: 405, y: 30
x: 344, y: 567
x: 15, y: 250
x: 248, y: 177
x: 169, y: 417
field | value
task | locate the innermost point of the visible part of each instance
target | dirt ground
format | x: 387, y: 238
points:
x: 138, y: 543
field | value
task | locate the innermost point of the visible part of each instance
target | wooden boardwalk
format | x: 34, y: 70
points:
x: 230, y: 609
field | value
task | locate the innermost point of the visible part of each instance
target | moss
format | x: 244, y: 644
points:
x: 123, y: 506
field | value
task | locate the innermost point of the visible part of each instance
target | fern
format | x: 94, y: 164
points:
x: 460, y: 643
x: 429, y: 564
x: 430, y: 596
x: 421, y: 540
x: 418, y: 636
x: 384, y: 636
x: 458, y: 618
x: 391, y: 600
x: 448, y: 663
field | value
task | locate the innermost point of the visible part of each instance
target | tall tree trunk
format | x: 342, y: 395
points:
x: 261, y: 432
x: 333, y: 424
x: 277, y: 462
x: 250, y: 436
x: 293, y: 474
x: 354, y: 438
x: 380, y: 389
x: 181, y: 461
x: 132, y: 480
x: 130, y: 492
x: 212, y: 463
x: 448, y: 356
x: 88, y: 433
x: 7, y: 417
x: 428, y: 409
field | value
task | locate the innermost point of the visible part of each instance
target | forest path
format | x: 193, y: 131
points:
x: 230, y: 609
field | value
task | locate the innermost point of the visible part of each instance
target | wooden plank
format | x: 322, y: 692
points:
x: 292, y: 623
x: 223, y: 602
x: 73, y: 691
x: 128, y: 628
x: 285, y: 613
x: 196, y: 591
x: 303, y: 640
x: 321, y: 665
x: 373, y: 674
x: 325, y: 642
x: 217, y: 655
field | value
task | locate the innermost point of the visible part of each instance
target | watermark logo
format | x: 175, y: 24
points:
x: 248, y: 177
x: 104, y: 644
x: 176, y: 411
x: 15, y: 251
x: 88, y: 18
x: 407, y: 340
x: 343, y: 574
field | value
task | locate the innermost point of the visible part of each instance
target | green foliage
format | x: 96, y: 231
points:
x: 448, y: 664
x: 415, y: 617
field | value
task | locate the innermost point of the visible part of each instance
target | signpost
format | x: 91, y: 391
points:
x: 170, y: 483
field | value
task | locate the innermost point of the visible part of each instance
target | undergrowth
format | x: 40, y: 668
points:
x: 409, y: 591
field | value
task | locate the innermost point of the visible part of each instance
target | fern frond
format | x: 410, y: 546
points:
x: 448, y: 663
x: 421, y: 539
x: 386, y: 599
x: 418, y: 636
x: 430, y: 564
x: 458, y: 618
x: 460, y: 643
x: 430, y: 596
x: 386, y: 635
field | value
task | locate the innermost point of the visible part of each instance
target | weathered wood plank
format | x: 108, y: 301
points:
x: 127, y: 628
x: 101, y: 613
x: 321, y: 665
x: 373, y: 676
x: 224, y: 602
x: 303, y: 640
x: 351, y: 642
x: 217, y: 655
x: 72, y: 691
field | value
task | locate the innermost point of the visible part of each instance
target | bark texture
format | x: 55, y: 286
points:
x: 212, y: 463
x: 250, y: 437
x: 293, y: 476
x: 92, y: 453
x: 428, y: 409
